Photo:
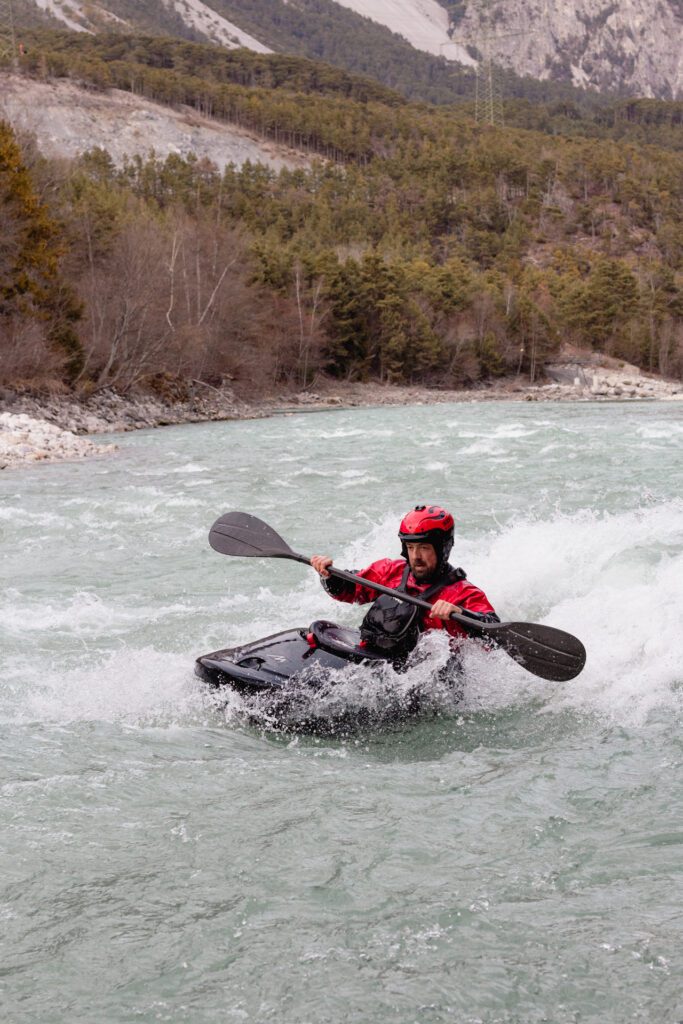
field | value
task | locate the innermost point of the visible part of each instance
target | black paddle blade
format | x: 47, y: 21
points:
x: 547, y: 652
x: 238, y: 533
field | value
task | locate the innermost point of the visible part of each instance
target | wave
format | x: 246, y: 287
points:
x: 612, y: 579
x: 142, y: 687
x: 85, y: 613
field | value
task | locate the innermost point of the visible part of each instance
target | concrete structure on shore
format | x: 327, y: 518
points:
x: 582, y: 379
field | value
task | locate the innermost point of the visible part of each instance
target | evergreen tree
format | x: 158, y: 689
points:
x: 30, y: 248
x: 605, y: 303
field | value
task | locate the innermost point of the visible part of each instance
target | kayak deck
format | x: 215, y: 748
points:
x: 270, y: 663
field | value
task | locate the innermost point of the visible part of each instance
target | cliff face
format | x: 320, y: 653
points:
x: 634, y: 45
x: 631, y: 45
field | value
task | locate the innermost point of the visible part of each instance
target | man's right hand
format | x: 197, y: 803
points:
x: 321, y: 563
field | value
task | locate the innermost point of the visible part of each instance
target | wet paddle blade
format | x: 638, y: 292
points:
x: 238, y: 533
x: 547, y: 652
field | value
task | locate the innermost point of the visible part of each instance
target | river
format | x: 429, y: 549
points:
x: 514, y: 858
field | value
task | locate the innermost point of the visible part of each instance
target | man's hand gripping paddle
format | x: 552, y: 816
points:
x: 543, y: 650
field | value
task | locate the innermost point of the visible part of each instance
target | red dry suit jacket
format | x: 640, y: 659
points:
x: 389, y: 573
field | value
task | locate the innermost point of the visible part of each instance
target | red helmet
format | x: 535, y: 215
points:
x: 429, y: 523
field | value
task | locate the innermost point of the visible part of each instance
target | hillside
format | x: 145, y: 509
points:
x: 184, y: 72
x: 420, y: 248
x: 631, y: 48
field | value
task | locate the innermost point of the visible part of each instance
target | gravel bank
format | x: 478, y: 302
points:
x: 108, y: 412
x: 24, y: 439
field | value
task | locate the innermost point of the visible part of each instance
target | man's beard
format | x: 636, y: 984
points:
x: 423, y: 574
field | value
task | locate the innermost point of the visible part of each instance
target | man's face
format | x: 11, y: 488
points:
x: 422, y: 559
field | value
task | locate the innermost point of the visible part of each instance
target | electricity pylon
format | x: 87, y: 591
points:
x: 488, y: 94
x: 488, y: 86
x: 8, y: 39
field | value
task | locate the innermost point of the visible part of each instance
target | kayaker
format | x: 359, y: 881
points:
x: 426, y: 535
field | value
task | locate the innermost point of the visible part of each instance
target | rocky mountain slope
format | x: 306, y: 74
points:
x: 426, y: 24
x: 67, y: 120
x: 631, y: 46
x: 169, y: 15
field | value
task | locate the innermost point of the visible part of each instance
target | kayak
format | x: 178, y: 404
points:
x: 291, y: 681
x: 275, y: 661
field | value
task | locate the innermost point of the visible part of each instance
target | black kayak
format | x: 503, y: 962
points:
x: 289, y: 681
x: 270, y: 664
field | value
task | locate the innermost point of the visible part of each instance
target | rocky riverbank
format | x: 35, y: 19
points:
x: 41, y: 427
x: 109, y: 412
x: 24, y: 439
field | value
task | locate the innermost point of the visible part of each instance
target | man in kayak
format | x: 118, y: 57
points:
x: 426, y: 535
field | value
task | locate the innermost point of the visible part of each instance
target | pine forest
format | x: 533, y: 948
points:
x: 413, y: 246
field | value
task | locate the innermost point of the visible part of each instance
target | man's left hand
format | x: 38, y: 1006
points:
x: 443, y: 609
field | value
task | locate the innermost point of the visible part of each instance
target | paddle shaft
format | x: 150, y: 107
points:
x: 463, y: 620
x: 547, y: 652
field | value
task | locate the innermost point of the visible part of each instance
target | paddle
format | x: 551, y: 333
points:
x: 543, y: 650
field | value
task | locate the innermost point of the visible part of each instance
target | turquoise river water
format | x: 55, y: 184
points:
x: 512, y: 858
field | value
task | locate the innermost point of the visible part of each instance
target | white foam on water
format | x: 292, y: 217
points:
x: 341, y: 432
x: 134, y: 687
x: 357, y: 698
x: 29, y: 518
x: 513, y: 430
x: 357, y: 481
x: 190, y: 467
x: 669, y: 431
x: 483, y: 447
x: 633, y: 630
x: 613, y: 580
x: 180, y: 502
x: 84, y: 613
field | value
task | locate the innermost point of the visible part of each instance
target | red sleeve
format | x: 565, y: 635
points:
x: 467, y: 596
x: 375, y: 573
